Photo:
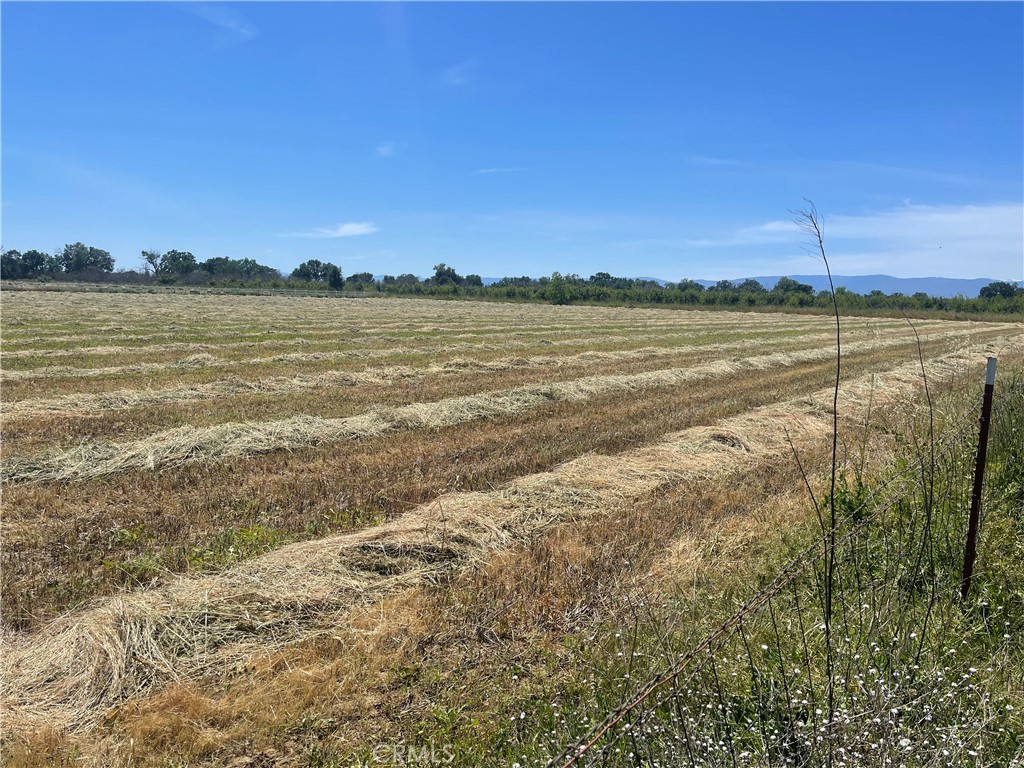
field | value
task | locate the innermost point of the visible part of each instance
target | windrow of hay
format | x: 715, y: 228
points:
x: 206, y: 360
x: 94, y: 403
x: 176, y: 346
x: 79, y: 665
x: 23, y: 344
x: 246, y: 334
x: 200, y: 360
x: 188, y: 444
x: 103, y: 316
x: 368, y: 347
x: 374, y: 341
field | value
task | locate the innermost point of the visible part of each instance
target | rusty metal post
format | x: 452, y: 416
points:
x: 979, y: 477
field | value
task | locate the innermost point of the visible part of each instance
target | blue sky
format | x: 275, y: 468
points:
x: 666, y: 139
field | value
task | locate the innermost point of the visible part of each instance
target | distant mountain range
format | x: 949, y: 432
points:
x: 933, y: 286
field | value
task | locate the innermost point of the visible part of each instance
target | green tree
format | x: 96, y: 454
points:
x: 171, y: 264
x: 152, y: 260
x: 750, y: 285
x: 36, y: 263
x: 789, y: 285
x: 177, y: 263
x: 334, y: 277
x: 250, y: 269
x: 12, y: 265
x: 445, y: 275
x: 220, y: 266
x: 557, y: 291
x: 474, y: 281
x: 313, y: 271
x: 79, y: 257
x: 999, y: 290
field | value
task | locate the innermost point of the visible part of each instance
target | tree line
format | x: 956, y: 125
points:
x: 77, y: 260
x: 81, y: 262
x: 996, y: 297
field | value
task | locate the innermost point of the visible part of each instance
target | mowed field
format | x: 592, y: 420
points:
x: 197, y: 487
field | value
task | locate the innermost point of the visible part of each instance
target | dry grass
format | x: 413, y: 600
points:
x: 505, y: 631
x: 188, y: 444
x: 122, y: 399
x: 330, y: 394
x: 371, y: 347
x: 55, y: 313
x: 253, y: 332
x: 89, y: 660
x: 66, y: 542
x: 310, y: 363
x: 474, y: 527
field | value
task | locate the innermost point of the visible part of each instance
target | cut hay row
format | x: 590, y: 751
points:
x: 395, y: 317
x: 241, y: 315
x: 22, y: 345
x: 597, y: 317
x: 116, y: 313
x: 70, y: 672
x: 510, y: 342
x: 176, y: 346
x: 206, y: 360
x: 185, y: 445
x: 315, y: 336
x: 92, y: 404
x: 201, y: 360
x: 369, y: 341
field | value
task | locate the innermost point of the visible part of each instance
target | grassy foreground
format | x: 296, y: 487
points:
x: 512, y: 660
x: 920, y: 678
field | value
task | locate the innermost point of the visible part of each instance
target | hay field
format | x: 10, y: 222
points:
x: 196, y: 487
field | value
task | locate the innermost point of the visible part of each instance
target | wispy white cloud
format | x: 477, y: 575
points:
x: 458, y: 74
x: 934, y: 223
x: 344, y: 229
x: 498, y: 170
x: 982, y: 240
x: 947, y: 240
x: 226, y: 19
x: 387, y: 149
x: 769, y: 232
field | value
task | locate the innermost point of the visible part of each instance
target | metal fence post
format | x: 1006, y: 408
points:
x: 979, y: 477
